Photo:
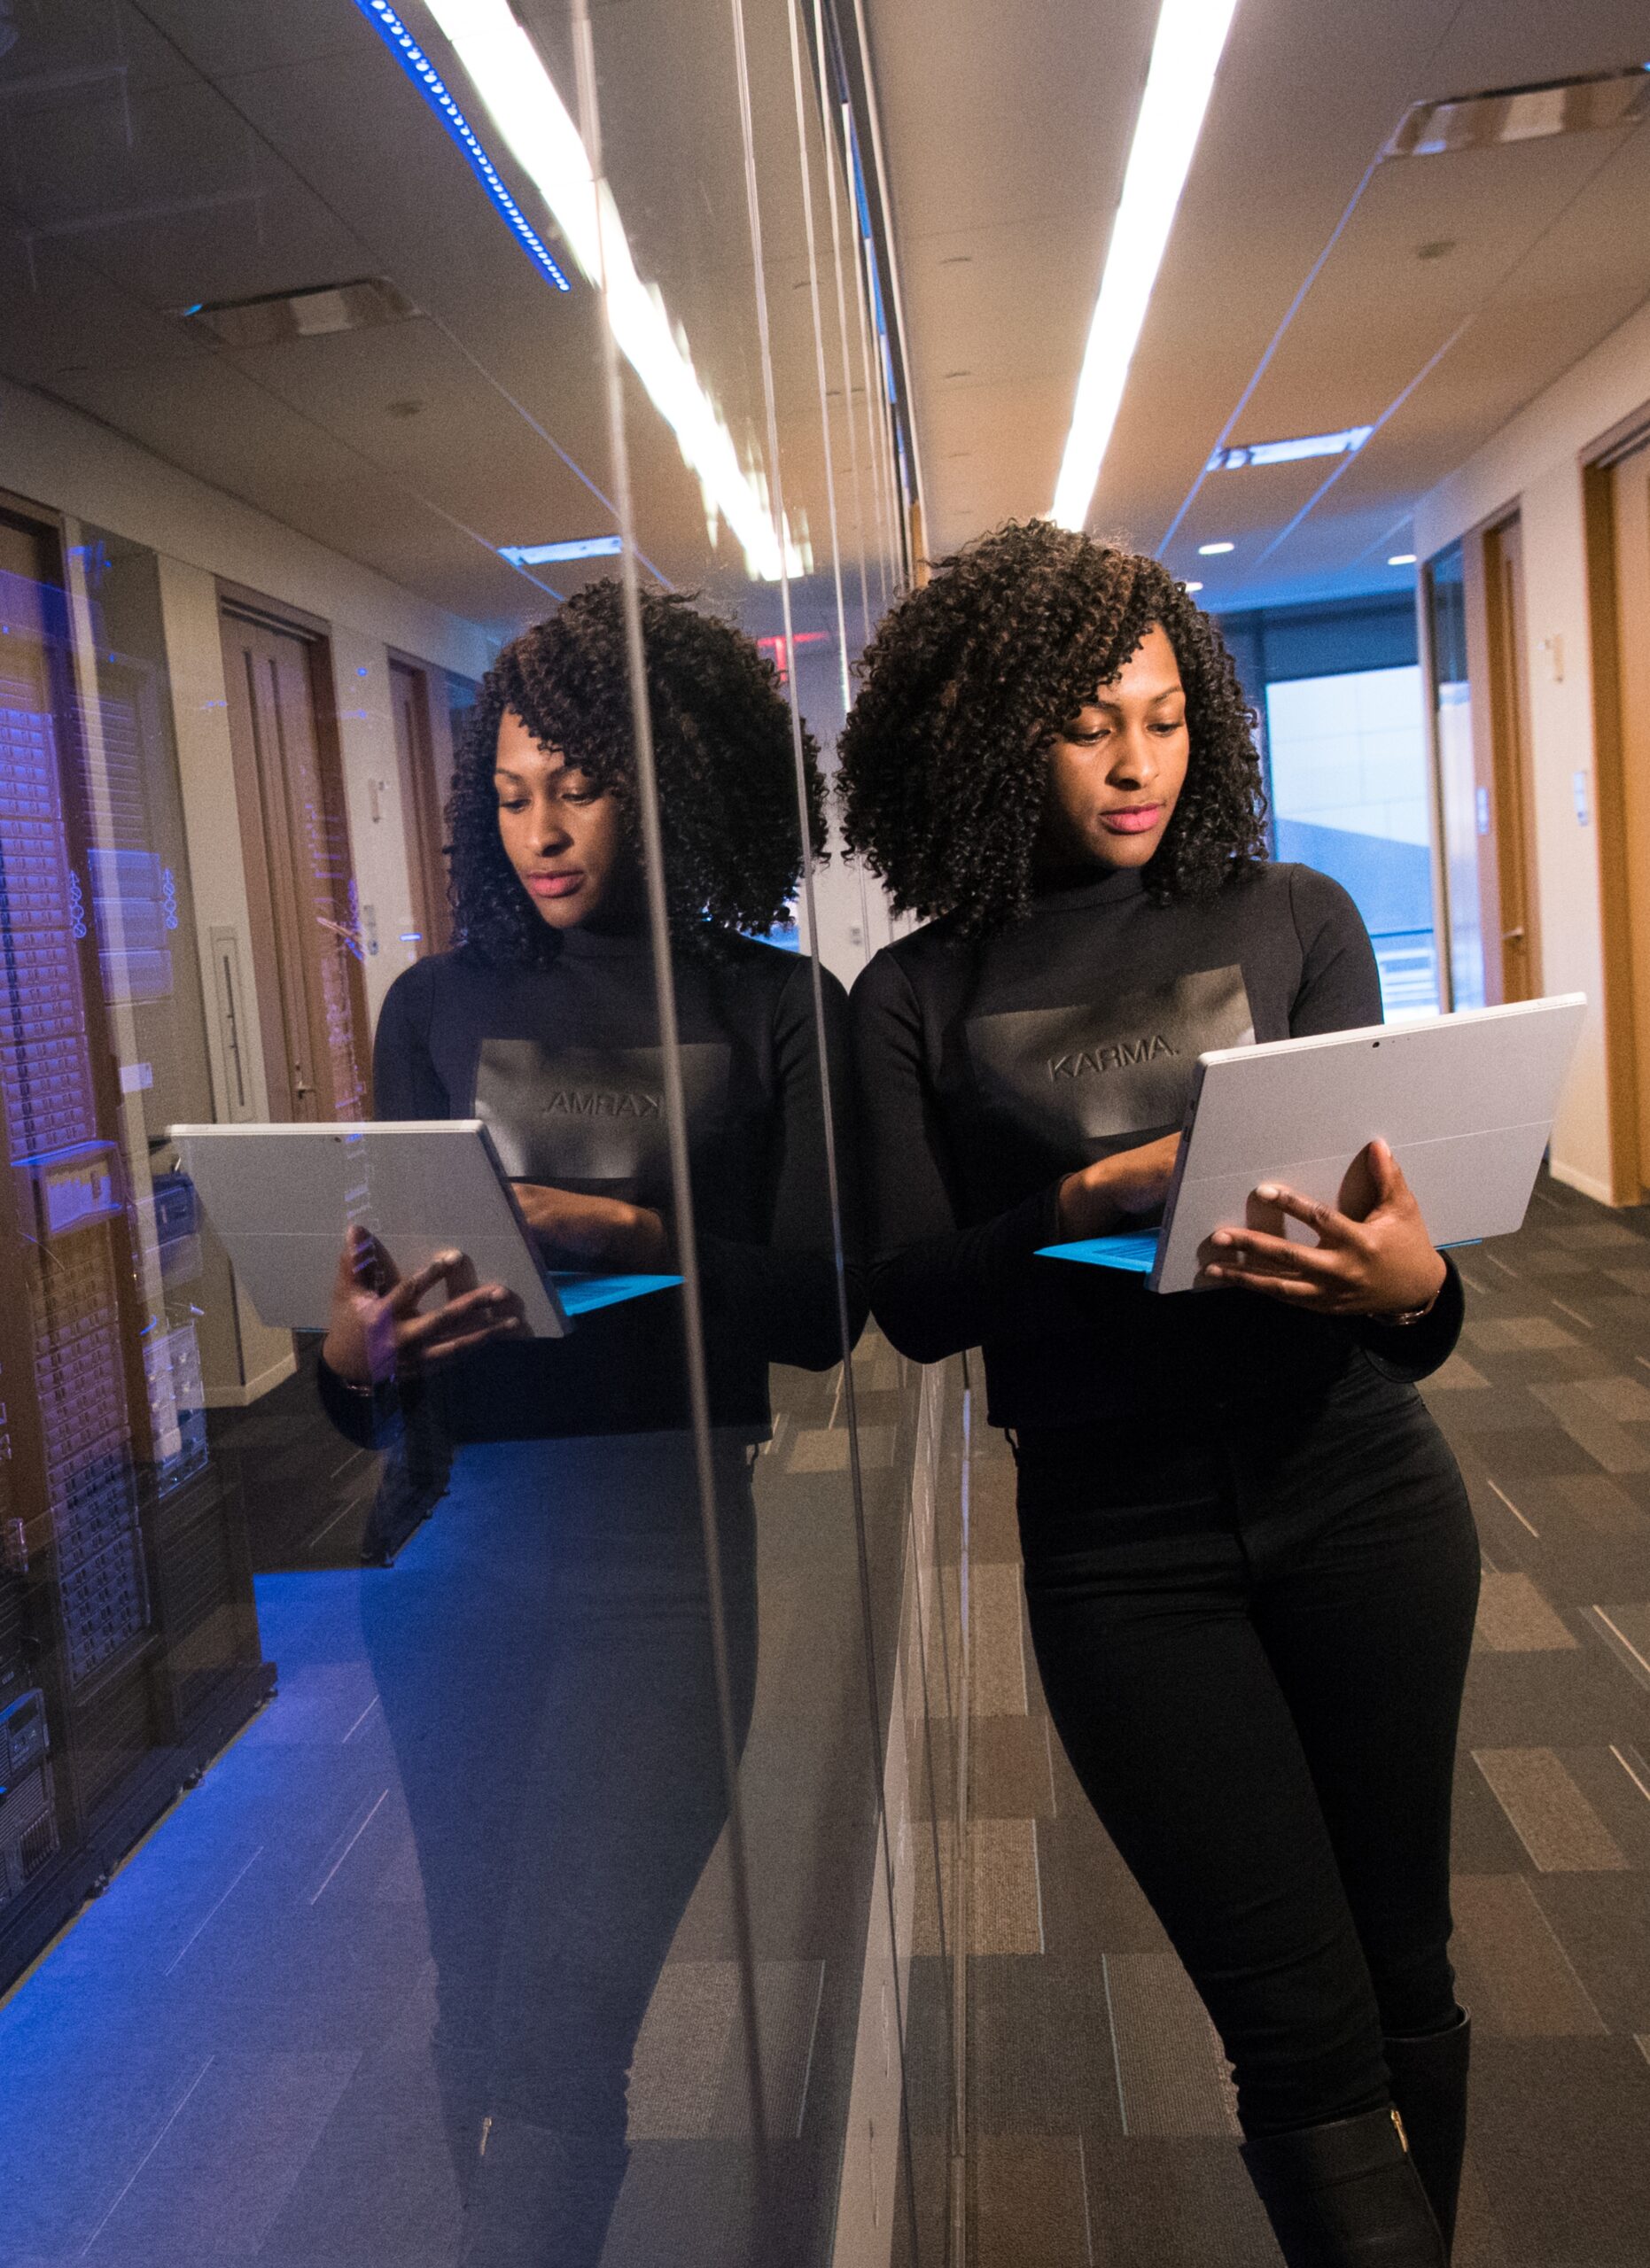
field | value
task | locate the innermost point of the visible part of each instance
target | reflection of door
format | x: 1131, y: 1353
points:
x: 421, y: 804
x: 306, y: 943
x: 1624, y: 815
x: 1512, y: 816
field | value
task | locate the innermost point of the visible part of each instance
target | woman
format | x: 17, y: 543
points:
x: 1249, y: 1562
x: 543, y: 1648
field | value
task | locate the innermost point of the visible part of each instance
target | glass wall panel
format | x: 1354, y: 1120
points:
x: 826, y: 1878
x: 517, y: 1742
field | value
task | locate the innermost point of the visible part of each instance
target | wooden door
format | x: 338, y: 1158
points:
x: 300, y: 883
x: 421, y: 804
x: 1627, y: 813
x: 1511, y: 790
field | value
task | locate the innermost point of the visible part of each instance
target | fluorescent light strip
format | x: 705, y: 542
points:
x: 1185, y: 55
x: 1309, y: 445
x: 545, y: 554
x: 511, y: 80
x: 424, y: 76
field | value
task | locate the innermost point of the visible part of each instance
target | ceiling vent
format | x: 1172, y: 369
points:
x: 312, y: 314
x: 1522, y: 113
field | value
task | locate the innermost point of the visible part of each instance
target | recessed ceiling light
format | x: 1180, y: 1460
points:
x: 1522, y: 113
x: 1214, y: 550
x: 1307, y: 445
x: 1402, y: 559
x: 545, y: 555
x: 1185, y: 53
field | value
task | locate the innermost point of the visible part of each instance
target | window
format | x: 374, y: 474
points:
x: 1350, y: 796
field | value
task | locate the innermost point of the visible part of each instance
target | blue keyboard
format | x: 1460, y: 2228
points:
x: 1136, y: 1251
x: 581, y: 1294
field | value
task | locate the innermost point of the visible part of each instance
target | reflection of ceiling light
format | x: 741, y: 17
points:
x: 1402, y: 559
x: 1191, y: 587
x: 1185, y: 54
x: 1522, y: 113
x: 1214, y: 550
x: 513, y: 81
x: 312, y: 314
x: 1309, y: 445
x: 423, y: 75
x: 545, y: 554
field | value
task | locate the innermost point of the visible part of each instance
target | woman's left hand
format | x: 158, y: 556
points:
x: 578, y: 1231
x: 1382, y: 1264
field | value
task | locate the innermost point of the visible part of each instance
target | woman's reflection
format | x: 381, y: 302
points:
x: 542, y: 1648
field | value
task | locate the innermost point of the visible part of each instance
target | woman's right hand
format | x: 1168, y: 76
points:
x: 1126, y: 1186
x: 376, y: 1332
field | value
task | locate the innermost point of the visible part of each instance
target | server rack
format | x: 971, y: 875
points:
x: 128, y: 1647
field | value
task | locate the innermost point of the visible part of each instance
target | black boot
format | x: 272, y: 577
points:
x: 1345, y: 2195
x: 1429, y: 2088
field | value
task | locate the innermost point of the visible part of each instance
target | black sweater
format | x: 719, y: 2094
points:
x: 564, y: 1065
x: 988, y: 1070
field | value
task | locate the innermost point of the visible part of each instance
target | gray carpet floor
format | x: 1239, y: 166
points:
x: 1101, y: 2116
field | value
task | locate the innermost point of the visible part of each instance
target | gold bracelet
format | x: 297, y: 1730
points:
x: 1405, y: 1316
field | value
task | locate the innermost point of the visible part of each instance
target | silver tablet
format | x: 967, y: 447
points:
x: 281, y: 1198
x: 1467, y: 1102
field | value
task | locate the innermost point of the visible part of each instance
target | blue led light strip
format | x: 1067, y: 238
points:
x: 426, y: 77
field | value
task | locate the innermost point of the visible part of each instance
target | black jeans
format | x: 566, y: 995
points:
x: 541, y: 1650
x: 1253, y: 1635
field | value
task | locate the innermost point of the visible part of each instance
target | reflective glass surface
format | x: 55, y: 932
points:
x: 517, y: 1769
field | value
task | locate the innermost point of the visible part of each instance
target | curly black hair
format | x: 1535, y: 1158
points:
x: 968, y: 683
x: 723, y: 748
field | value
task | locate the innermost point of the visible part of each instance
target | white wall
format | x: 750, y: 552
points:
x: 380, y: 834
x: 855, y: 921
x: 241, y: 1357
x: 52, y: 455
x: 1535, y: 464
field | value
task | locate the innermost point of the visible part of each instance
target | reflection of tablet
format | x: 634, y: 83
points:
x: 281, y: 1198
x: 1466, y: 1101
